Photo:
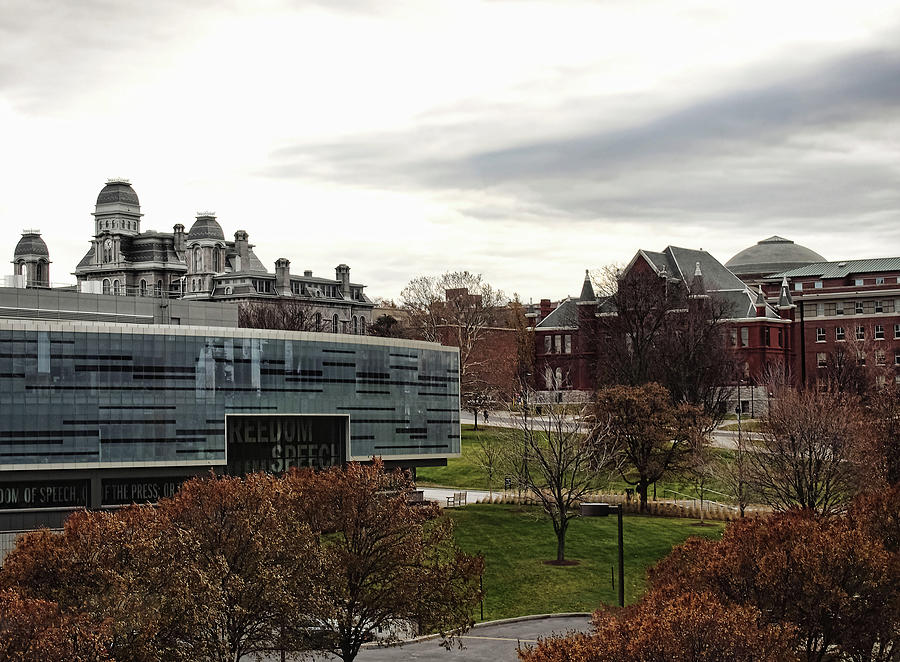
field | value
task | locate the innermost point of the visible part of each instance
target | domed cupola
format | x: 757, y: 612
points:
x: 206, y: 227
x: 31, y: 259
x: 205, y: 250
x: 118, y: 209
x: 770, y: 256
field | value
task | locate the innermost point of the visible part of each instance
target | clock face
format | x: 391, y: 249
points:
x: 107, y: 244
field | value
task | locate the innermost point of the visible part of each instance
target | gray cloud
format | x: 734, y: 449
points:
x: 763, y: 153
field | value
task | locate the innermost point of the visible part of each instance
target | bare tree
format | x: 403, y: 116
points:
x: 456, y: 308
x: 557, y: 457
x: 701, y: 464
x: 736, y: 471
x: 489, y: 456
x: 804, y: 456
x: 661, y: 332
x: 282, y: 314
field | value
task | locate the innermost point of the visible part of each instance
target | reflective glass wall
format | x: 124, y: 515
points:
x: 100, y: 395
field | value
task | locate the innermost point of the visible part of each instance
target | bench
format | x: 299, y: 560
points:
x: 457, y: 499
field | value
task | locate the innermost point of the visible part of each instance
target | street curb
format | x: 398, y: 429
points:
x: 501, y: 621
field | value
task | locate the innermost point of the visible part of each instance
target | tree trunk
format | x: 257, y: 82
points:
x: 561, y: 544
x: 476, y: 419
x: 642, y: 493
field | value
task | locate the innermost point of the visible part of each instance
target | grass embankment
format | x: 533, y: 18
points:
x: 465, y: 472
x: 516, y: 540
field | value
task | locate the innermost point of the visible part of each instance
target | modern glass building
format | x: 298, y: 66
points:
x: 99, y: 414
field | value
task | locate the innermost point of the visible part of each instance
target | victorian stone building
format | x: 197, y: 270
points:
x: 195, y: 264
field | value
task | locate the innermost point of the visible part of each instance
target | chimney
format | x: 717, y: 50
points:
x: 342, y: 273
x: 283, y: 276
x: 308, y: 273
x: 242, y: 248
x: 179, y: 237
x: 546, y: 308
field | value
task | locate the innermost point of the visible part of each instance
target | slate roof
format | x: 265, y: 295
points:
x: 31, y: 244
x: 206, y: 227
x: 565, y: 315
x: 841, y: 269
x: 681, y: 264
x: 118, y: 191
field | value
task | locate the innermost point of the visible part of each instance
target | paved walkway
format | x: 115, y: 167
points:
x: 496, y: 642
x: 504, y: 419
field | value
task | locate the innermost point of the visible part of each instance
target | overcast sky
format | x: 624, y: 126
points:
x: 522, y: 139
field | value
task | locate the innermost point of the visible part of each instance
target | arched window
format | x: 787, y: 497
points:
x: 158, y: 290
x: 217, y: 259
x: 198, y: 260
x: 106, y: 286
x: 107, y: 254
x: 116, y: 287
x: 318, y: 321
x: 334, y: 323
x: 362, y: 325
x: 143, y: 287
x: 355, y: 325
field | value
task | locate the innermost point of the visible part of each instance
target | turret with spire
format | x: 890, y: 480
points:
x: 698, y: 288
x: 587, y: 289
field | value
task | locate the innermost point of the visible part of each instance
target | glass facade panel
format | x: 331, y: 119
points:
x: 104, y: 394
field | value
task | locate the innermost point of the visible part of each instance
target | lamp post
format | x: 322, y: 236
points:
x: 603, y: 510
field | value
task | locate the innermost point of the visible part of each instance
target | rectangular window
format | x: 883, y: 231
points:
x: 830, y: 309
x: 868, y: 307
x: 557, y: 344
x: 879, y: 332
x: 839, y: 333
x: 858, y: 282
x: 780, y: 337
x: 809, y: 310
x: 897, y: 357
x: 879, y: 357
x: 820, y: 334
x: 861, y: 357
x: 745, y: 336
x: 889, y: 306
x: 547, y: 341
x: 880, y: 381
x: 879, y: 280
x: 568, y: 344
x: 820, y: 309
x: 822, y: 359
x: 839, y: 308
x: 798, y: 287
x: 858, y: 307
x: 818, y: 285
x: 897, y: 332
x: 860, y: 333
x: 733, y: 336
x: 767, y: 336
x: 879, y: 306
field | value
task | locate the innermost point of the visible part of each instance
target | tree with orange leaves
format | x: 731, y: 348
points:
x: 37, y: 631
x: 688, y: 627
x: 389, y: 565
x: 836, y: 583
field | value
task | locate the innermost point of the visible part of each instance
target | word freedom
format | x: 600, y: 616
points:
x: 277, y: 443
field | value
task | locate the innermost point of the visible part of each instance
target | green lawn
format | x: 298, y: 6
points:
x: 515, y: 541
x: 464, y: 471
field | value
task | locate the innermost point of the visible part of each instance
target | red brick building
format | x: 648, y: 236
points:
x: 788, y: 310
x: 846, y: 310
